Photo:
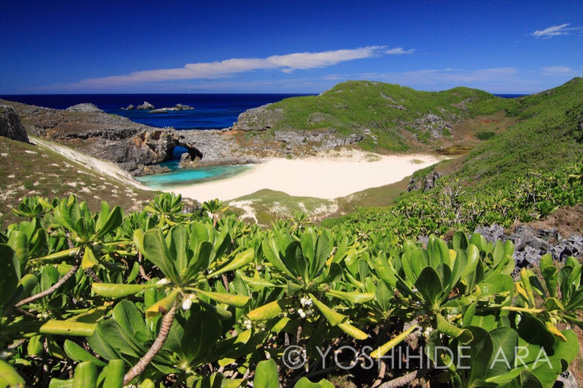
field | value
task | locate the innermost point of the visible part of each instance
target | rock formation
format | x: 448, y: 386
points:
x: 134, y: 147
x: 85, y: 107
x: 10, y: 124
x: 258, y: 119
x: 532, y: 243
x: 145, y: 106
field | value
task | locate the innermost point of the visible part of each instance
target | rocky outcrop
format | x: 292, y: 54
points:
x: 315, y: 140
x: 532, y: 243
x: 258, y: 119
x: 10, y: 124
x: 145, y: 106
x: 178, y: 107
x: 85, y: 107
x: 424, y: 183
x: 134, y: 147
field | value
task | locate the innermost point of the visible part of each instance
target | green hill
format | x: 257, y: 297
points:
x: 390, y: 117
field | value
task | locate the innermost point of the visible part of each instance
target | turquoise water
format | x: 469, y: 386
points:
x: 184, y: 177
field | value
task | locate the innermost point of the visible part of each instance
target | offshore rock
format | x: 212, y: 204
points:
x: 145, y: 106
x: 10, y: 124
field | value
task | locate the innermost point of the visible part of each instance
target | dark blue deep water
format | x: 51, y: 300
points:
x: 211, y: 111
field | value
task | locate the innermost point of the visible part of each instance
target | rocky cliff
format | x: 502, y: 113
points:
x: 134, y: 147
x: 10, y: 124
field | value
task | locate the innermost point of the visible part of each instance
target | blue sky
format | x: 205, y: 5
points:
x: 273, y: 46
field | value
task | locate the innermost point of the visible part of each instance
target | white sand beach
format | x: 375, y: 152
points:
x: 326, y: 177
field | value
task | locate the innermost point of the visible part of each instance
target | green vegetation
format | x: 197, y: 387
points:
x: 29, y: 169
x: 160, y: 296
x: 389, y: 115
x: 547, y: 136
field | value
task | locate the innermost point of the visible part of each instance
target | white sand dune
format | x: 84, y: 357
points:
x: 321, y: 177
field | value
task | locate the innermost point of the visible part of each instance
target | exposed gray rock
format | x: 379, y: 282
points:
x: 531, y: 244
x: 145, y: 106
x: 258, y: 119
x: 317, y: 141
x: 178, y: 107
x: 129, y: 107
x: 425, y: 183
x: 10, y: 124
x: 85, y: 107
x: 132, y: 146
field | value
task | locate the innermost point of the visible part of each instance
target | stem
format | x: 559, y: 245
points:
x: 401, y: 381
x: 51, y: 289
x: 139, y: 368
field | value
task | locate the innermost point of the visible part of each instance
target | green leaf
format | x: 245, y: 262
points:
x: 155, y: 250
x: 464, y: 336
x: 240, y: 260
x: 295, y: 262
x: 78, y: 354
x: 383, y: 296
x: 68, y: 328
x: 271, y: 251
x: 114, y: 373
x: 201, y: 332
x: 162, y: 306
x: 383, y: 349
x: 89, y: 260
x: 550, y: 274
x: 268, y: 311
x: 108, y: 221
x: 85, y: 375
x: 266, y: 375
x: 230, y: 299
x: 9, y: 377
x: 353, y: 331
x: 352, y: 297
x: 9, y: 273
x: 304, y: 382
x: 331, y: 315
x: 18, y: 241
x: 177, y: 244
x: 429, y: 285
x: 114, y: 290
x: 130, y: 320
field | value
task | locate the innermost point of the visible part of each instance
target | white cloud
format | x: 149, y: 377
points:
x: 398, y: 51
x: 560, y: 71
x: 221, y: 69
x: 553, y: 31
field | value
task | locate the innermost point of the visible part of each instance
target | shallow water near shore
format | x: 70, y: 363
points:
x: 185, y: 177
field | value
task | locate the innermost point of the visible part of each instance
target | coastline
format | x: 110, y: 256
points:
x: 327, y: 176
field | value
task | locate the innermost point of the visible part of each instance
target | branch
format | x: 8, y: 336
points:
x: 401, y: 381
x: 139, y: 368
x: 51, y: 289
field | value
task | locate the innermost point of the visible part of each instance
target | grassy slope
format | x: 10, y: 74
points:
x: 29, y: 170
x: 549, y: 134
x: 387, y: 110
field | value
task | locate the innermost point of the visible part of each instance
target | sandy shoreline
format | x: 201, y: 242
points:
x: 326, y: 177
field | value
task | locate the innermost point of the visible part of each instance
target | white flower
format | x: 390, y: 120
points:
x: 302, y: 313
x: 306, y: 301
x: 248, y: 324
x: 186, y: 303
x: 161, y: 282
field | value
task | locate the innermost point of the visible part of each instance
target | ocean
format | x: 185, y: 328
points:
x: 211, y: 111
